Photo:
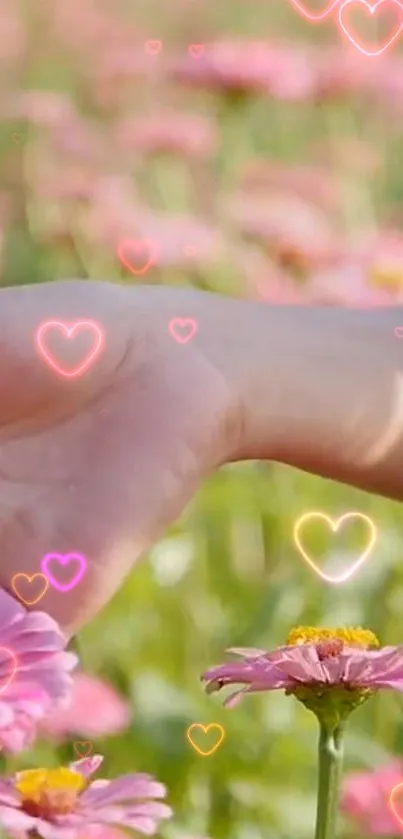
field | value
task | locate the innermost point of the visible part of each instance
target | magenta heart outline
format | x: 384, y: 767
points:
x: 399, y: 331
x: 64, y: 559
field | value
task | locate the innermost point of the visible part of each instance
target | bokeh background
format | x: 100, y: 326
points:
x: 250, y: 152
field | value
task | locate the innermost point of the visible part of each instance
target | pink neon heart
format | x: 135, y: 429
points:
x: 317, y: 15
x: 153, y: 47
x: 11, y: 668
x: 399, y: 331
x: 141, y: 248
x: 196, y: 50
x: 64, y: 559
x: 70, y: 333
x: 372, y: 9
x: 182, y: 329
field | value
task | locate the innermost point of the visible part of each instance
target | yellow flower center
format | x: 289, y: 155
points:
x: 333, y: 639
x: 387, y: 276
x: 47, y: 792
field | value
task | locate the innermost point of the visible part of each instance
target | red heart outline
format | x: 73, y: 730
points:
x: 137, y: 244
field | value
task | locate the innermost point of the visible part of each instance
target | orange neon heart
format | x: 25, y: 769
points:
x: 79, y: 751
x: 396, y: 789
x: 30, y: 578
x: 205, y: 729
x: 341, y: 578
x: 13, y: 664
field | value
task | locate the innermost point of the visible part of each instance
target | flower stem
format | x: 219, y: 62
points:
x: 330, y: 762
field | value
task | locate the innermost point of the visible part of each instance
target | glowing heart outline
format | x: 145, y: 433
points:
x: 138, y: 244
x: 64, y: 559
x: 372, y: 8
x: 334, y: 525
x: 79, y: 754
x: 29, y: 577
x: 197, y: 50
x: 183, y: 322
x: 315, y: 18
x: 205, y: 729
x: 153, y: 47
x: 14, y: 670
x: 69, y: 331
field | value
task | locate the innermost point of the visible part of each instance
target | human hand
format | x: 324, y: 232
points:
x: 101, y: 464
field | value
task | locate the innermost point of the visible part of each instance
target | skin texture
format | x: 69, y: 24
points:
x: 105, y: 462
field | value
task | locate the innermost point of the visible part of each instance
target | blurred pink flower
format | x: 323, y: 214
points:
x: 265, y: 280
x: 365, y: 799
x: 341, y: 71
x: 95, y: 709
x: 314, y: 183
x: 35, y: 672
x: 114, y: 215
x: 346, y: 284
x: 102, y: 832
x: 42, y: 107
x: 168, y: 131
x: 383, y: 258
x: 251, y: 66
x: 13, y: 34
x: 296, y: 232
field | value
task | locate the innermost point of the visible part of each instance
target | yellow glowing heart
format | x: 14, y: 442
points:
x: 205, y: 729
x: 334, y: 525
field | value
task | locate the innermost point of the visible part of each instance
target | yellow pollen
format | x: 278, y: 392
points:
x: 47, y: 792
x: 352, y: 636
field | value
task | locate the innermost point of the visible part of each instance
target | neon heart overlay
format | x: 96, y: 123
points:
x: 315, y: 16
x: 13, y: 667
x: 79, y: 751
x: 334, y: 525
x: 399, y: 331
x: 137, y: 246
x: 64, y: 559
x: 372, y: 9
x: 153, y: 47
x: 182, y: 329
x: 205, y: 729
x: 196, y: 50
x: 69, y: 333
x: 30, y: 578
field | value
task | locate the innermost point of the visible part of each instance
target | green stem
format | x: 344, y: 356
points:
x: 330, y: 762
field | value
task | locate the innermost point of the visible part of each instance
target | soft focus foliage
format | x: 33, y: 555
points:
x: 261, y: 156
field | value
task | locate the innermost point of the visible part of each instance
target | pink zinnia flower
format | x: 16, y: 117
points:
x: 365, y: 799
x: 251, y: 67
x: 314, y: 662
x: 41, y: 679
x: 63, y: 804
x: 112, y: 716
x: 189, y: 135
